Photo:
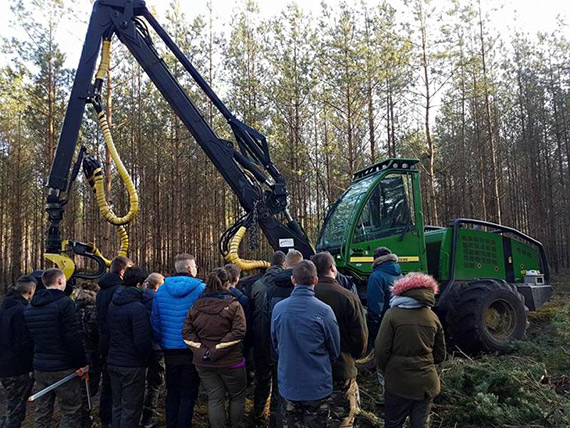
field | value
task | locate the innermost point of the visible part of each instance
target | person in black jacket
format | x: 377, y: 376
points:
x: 130, y: 346
x: 278, y: 291
x: 58, y: 351
x: 261, y: 358
x: 109, y: 283
x: 16, y: 352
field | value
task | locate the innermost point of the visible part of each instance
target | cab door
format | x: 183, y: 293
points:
x: 389, y: 217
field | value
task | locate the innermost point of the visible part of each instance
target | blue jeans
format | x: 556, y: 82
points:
x: 182, y: 384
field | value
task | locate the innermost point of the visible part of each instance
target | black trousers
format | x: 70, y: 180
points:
x: 397, y: 409
x: 182, y: 385
x: 95, y: 373
x: 127, y: 385
x: 154, y: 384
x: 262, y: 389
x: 18, y: 389
x: 106, y: 399
x: 277, y: 406
x: 373, y: 321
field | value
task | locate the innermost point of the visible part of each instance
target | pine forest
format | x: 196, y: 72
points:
x: 486, y: 112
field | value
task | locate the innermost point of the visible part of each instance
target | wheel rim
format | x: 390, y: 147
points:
x: 500, y: 319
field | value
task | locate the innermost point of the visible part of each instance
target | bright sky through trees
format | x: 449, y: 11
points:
x: 530, y: 15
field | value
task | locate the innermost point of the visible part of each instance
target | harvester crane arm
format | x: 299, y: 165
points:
x: 248, y: 169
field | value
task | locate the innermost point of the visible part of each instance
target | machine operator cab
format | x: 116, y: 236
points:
x: 382, y: 208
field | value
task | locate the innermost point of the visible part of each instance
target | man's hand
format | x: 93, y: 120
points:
x: 82, y: 372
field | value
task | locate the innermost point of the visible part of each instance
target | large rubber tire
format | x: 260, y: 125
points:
x: 486, y: 316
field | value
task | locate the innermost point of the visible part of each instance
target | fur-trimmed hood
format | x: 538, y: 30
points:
x: 385, y: 258
x: 415, y: 280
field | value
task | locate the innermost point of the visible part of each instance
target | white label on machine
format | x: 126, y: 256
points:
x: 287, y: 243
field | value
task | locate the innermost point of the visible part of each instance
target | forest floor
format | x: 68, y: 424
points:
x: 528, y: 388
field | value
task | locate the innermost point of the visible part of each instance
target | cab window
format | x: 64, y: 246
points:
x: 388, y: 211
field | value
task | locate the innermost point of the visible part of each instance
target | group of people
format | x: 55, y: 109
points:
x: 297, y: 329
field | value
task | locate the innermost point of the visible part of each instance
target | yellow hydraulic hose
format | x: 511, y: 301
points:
x: 98, y: 185
x: 124, y: 237
x: 105, y: 60
x: 233, y: 256
x: 124, y: 246
x: 99, y: 189
x: 97, y: 180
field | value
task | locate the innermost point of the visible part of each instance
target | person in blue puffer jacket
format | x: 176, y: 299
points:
x: 386, y: 271
x: 170, y: 306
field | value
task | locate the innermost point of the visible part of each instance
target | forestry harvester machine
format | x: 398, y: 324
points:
x: 489, y: 274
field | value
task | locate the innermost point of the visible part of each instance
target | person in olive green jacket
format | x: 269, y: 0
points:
x: 409, y: 345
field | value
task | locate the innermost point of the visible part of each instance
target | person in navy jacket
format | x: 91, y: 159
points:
x: 306, y: 338
x: 170, y: 306
x: 130, y: 346
x: 109, y: 283
x: 386, y: 271
x: 58, y: 350
x: 16, y: 352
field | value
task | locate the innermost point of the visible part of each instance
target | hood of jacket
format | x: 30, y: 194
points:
x: 273, y: 270
x: 126, y: 295
x: 388, y: 266
x: 46, y: 296
x: 213, y: 304
x: 385, y: 258
x: 268, y: 277
x: 148, y: 295
x: 180, y: 285
x: 424, y: 296
x: 110, y: 280
x: 13, y: 299
x: 405, y: 302
x: 283, y: 278
x: 415, y: 280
